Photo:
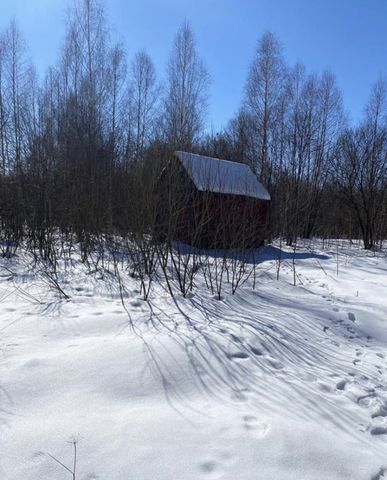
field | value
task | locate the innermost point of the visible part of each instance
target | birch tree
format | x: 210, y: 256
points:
x: 144, y: 98
x: 262, y: 101
x: 186, y: 96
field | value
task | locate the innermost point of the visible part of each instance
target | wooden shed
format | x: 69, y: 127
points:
x: 211, y: 203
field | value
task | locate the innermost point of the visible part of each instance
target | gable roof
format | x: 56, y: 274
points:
x: 222, y: 176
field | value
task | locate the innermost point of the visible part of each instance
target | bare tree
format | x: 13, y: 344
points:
x: 143, y: 102
x: 3, y: 107
x: 185, y: 101
x: 117, y: 87
x: 329, y: 124
x: 361, y: 165
x: 14, y: 85
x: 263, y: 93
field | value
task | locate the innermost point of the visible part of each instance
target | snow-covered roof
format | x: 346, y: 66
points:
x: 222, y: 176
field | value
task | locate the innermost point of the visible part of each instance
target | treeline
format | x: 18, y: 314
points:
x: 81, y: 151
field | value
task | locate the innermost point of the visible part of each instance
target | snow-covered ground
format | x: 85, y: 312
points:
x: 281, y: 382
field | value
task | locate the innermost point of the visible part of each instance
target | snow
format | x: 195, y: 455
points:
x: 281, y: 382
x: 222, y: 176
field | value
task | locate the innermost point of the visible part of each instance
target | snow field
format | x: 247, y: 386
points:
x: 281, y: 382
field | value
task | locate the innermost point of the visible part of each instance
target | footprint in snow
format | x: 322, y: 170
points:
x: 239, y: 397
x: 250, y: 421
x: 235, y: 338
x: 379, y: 475
x: 351, y: 317
x: 380, y: 412
x: 257, y: 351
x: 251, y: 424
x: 135, y: 303
x: 38, y: 457
x: 208, y: 467
x: 237, y: 355
x: 34, y: 363
x: 378, y: 430
x: 226, y: 457
x: 275, y: 363
x: 367, y: 399
x: 324, y: 387
x: 341, y: 385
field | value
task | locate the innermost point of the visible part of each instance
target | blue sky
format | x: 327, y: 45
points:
x: 349, y: 37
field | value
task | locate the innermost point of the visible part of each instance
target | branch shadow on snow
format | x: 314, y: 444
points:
x: 256, y: 255
x: 242, y: 359
x: 270, y: 252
